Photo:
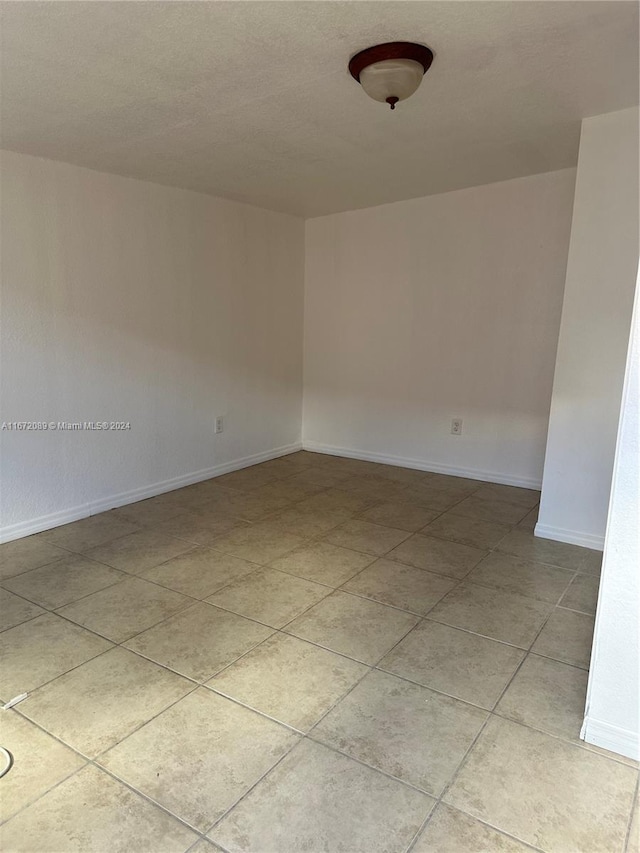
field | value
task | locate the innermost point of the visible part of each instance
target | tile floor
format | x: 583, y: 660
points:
x: 312, y: 654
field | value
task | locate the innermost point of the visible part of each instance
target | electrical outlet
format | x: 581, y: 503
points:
x: 456, y: 426
x: 219, y: 425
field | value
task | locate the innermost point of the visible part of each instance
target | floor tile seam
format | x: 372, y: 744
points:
x: 33, y: 568
x: 28, y: 619
x: 271, y: 769
x: 55, y: 609
x: 57, y: 784
x: 150, y: 800
x: 185, y: 606
x: 495, y: 549
x: 364, y: 597
x: 266, y: 624
x: 635, y: 805
x: 361, y: 761
x: 590, y: 613
x: 342, y: 654
x: 467, y: 579
x: 431, y: 618
x: 255, y: 567
x: 71, y: 669
x: 438, y: 691
x: 580, y: 744
x: 473, y: 817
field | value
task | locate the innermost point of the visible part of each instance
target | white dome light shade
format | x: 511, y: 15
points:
x: 391, y: 72
x: 391, y: 78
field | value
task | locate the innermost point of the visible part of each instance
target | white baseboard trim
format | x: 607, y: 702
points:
x: 572, y: 537
x: 422, y: 465
x: 46, y: 522
x: 613, y: 738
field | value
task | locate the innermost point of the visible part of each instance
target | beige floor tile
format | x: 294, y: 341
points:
x: 492, y: 509
x: 199, y: 641
x: 360, y: 629
x: 373, y: 487
x: 451, y: 831
x: 290, y: 680
x: 199, y: 527
x: 463, y: 665
x: 492, y: 613
x: 436, y: 555
x: 25, y: 554
x: 408, y: 476
x: 15, y: 610
x: 529, y: 521
x: 528, y: 498
x: 291, y: 489
x: 91, y: 813
x: 456, y: 484
x: 153, y: 511
x: 96, y: 705
x: 269, y: 596
x: 513, y: 574
x: 125, y: 609
x: 247, y: 479
x: 541, y: 789
x: 64, y: 581
x: 566, y: 637
x: 547, y: 695
x: 205, y: 846
x: 319, y: 477
x: 324, y: 563
x: 399, y: 514
x: 336, y: 499
x: 403, y: 729
x: 199, y: 572
x: 199, y: 756
x: 308, y: 523
x: 592, y: 562
x: 313, y: 801
x: 249, y: 506
x: 400, y: 586
x: 258, y: 543
x: 89, y: 532
x: 582, y: 594
x: 366, y: 537
x: 522, y: 543
x: 139, y: 551
x: 633, y: 843
x: 42, y: 649
x: 39, y: 762
x: 436, y: 495
x: 475, y: 532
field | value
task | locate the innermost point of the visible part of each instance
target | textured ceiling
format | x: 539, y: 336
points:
x: 253, y: 100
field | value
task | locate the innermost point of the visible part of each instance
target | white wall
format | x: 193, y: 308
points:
x: 440, y: 307
x: 127, y: 301
x: 596, y: 316
x: 613, y: 698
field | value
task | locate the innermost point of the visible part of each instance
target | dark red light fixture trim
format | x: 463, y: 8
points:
x: 391, y: 72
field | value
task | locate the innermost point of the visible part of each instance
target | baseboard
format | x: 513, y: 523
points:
x: 572, y: 537
x: 613, y: 738
x: 56, y: 519
x: 422, y: 465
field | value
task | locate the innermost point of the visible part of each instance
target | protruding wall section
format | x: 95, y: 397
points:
x: 594, y: 333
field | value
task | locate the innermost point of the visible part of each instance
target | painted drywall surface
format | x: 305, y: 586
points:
x: 127, y: 301
x: 438, y: 308
x: 592, y: 348
x: 613, y: 697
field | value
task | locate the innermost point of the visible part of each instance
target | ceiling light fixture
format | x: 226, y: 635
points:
x: 391, y: 72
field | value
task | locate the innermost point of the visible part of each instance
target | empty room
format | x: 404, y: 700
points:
x: 319, y: 426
